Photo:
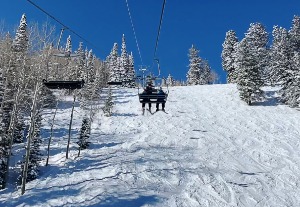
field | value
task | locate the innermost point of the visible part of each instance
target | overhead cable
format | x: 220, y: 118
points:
x: 136, y: 41
x: 159, y: 28
x: 62, y: 24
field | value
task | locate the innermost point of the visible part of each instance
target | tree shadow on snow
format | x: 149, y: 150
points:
x: 58, y: 132
x: 39, y: 199
x: 124, y: 95
x: 124, y: 114
x: 67, y: 104
x: 270, y: 99
x: 136, y: 202
x: 102, y: 145
x: 120, y: 102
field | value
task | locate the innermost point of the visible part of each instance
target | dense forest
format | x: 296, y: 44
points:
x: 33, y: 57
x: 260, y: 60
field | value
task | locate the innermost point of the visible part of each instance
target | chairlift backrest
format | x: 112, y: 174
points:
x: 64, y: 84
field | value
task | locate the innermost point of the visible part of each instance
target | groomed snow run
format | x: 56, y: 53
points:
x: 211, y: 149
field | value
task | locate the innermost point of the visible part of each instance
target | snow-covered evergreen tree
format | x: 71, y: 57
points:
x: 228, y: 56
x: 113, y: 64
x: 121, y: 68
x: 71, y: 69
x: 49, y: 99
x: 251, y: 60
x: 90, y: 66
x: 84, y: 134
x: 294, y: 34
x: 16, y: 80
x: 290, y: 78
x: 280, y: 55
x: 193, y: 75
x: 248, y: 73
x: 20, y: 43
x: 108, y: 105
x: 68, y: 48
x: 131, y: 71
x: 199, y: 70
x: 81, y: 71
x: 3, y: 139
x: 290, y: 92
x: 19, y: 129
x: 6, y: 94
x: 124, y: 61
x: 258, y: 38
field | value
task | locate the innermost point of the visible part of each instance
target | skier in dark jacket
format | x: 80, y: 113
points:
x: 148, y: 90
x: 161, y: 100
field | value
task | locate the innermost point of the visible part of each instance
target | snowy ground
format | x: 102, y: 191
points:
x: 211, y: 149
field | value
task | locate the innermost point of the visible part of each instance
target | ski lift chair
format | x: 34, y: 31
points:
x: 153, y: 96
x: 71, y: 85
x: 115, y: 83
x: 63, y: 84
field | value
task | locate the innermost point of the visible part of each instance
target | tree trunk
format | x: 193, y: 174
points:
x: 29, y: 136
x: 70, y: 126
x: 51, y: 133
x: 10, y: 133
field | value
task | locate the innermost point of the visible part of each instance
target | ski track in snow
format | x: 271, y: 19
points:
x: 211, y: 149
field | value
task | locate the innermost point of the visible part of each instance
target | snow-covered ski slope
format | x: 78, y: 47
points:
x: 211, y: 149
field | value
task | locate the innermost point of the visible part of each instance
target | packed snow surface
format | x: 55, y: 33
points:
x: 211, y: 149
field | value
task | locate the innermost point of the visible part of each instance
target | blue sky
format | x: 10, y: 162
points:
x: 186, y: 22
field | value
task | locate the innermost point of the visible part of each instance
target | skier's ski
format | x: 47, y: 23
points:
x: 145, y: 110
x: 150, y: 112
x: 158, y: 111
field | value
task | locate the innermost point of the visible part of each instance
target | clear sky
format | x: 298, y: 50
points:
x: 186, y: 22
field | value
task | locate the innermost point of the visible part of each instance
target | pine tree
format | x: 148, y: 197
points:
x: 71, y: 69
x: 290, y: 92
x: 124, y: 61
x: 257, y: 37
x: 295, y: 34
x: 16, y: 80
x: 84, y: 134
x: 19, y: 129
x: 108, y: 105
x: 81, y: 71
x: 131, y: 72
x: 6, y: 95
x: 113, y: 64
x: 49, y: 99
x: 193, y: 75
x: 68, y: 48
x: 3, y: 139
x: 90, y: 67
x: 280, y: 55
x: 251, y: 60
x: 290, y: 79
x: 228, y: 56
x: 248, y: 73
x: 20, y: 43
x: 246, y: 67
x: 199, y: 70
